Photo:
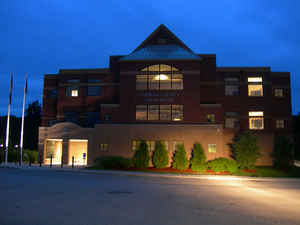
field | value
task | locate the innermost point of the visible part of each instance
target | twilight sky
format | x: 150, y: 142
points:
x: 42, y: 36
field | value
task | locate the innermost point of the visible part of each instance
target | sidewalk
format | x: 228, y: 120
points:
x: 82, y: 169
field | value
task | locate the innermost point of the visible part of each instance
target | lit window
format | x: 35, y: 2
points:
x: 256, y: 120
x: 135, y: 144
x: 151, y: 145
x: 165, y: 112
x: 212, y: 148
x: 141, y: 112
x: 211, y: 118
x: 103, y: 147
x: 177, y: 112
x: 278, y: 92
x: 74, y: 93
x: 153, y: 112
x: 279, y: 123
x: 159, y: 77
x: 255, y: 87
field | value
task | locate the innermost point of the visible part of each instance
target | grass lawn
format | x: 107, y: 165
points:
x: 260, y: 171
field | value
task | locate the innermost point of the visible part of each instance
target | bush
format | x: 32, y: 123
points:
x: 160, y: 156
x: 112, y: 162
x: 246, y: 151
x: 180, y: 160
x: 283, y: 152
x: 222, y: 165
x: 198, y: 158
x: 141, y: 157
x: 30, y: 156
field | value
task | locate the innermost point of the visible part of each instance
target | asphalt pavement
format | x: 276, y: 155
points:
x: 42, y: 197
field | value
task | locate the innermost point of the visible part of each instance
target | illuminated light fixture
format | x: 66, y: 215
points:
x: 78, y: 140
x: 254, y: 79
x: 257, y: 113
x: 176, y: 119
x: 161, y: 77
x: 51, y: 139
x: 74, y: 93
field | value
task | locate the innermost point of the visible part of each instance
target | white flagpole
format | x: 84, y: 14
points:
x: 22, y: 126
x: 8, y: 118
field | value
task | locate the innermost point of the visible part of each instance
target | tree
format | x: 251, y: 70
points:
x: 141, y: 157
x: 160, y: 157
x: 283, y: 152
x: 198, y: 158
x: 31, y: 125
x: 180, y: 160
x: 246, y: 150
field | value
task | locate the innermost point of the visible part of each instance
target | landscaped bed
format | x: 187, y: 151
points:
x: 260, y: 171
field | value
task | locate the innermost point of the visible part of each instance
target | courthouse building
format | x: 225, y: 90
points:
x: 163, y: 91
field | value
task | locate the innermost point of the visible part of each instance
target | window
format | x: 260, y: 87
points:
x: 52, y: 93
x: 212, y: 148
x: 107, y: 117
x: 135, y: 145
x: 141, y: 112
x: 165, y: 112
x: 159, y: 112
x: 159, y: 77
x: 255, y: 87
x: 72, y: 91
x: 279, y: 123
x: 71, y: 117
x: 256, y: 120
x: 231, y: 86
x: 94, y: 80
x: 278, y: 92
x: 92, y: 118
x: 103, y: 147
x: 94, y: 91
x: 211, y: 118
x: 232, y: 120
x: 151, y: 145
x: 153, y: 112
x: 177, y: 112
x: 51, y: 122
x: 74, y: 81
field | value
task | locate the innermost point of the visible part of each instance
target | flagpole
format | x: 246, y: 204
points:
x: 22, y: 126
x: 8, y: 118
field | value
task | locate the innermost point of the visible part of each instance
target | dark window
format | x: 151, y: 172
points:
x: 107, y: 117
x: 278, y: 92
x: 94, y: 80
x: 92, y: 118
x: 232, y: 120
x: 52, y: 93
x: 231, y: 86
x: 71, y: 117
x: 51, y: 122
x: 94, y: 91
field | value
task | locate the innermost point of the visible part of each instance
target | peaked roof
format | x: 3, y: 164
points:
x: 161, y: 44
x: 162, y: 32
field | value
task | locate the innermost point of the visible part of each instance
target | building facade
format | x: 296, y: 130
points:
x: 161, y: 91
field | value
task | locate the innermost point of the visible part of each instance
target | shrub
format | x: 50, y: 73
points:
x: 198, y: 158
x: 180, y: 160
x: 141, y: 157
x: 160, y: 156
x: 112, y: 162
x: 222, y: 165
x: 30, y: 156
x: 283, y: 152
x: 245, y: 150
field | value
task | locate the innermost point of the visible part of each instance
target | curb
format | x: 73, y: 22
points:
x: 149, y: 174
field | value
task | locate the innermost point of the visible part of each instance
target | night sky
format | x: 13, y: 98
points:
x: 43, y: 36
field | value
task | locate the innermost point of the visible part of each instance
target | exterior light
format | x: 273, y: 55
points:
x: 176, y: 119
x: 1, y: 145
x: 16, y: 146
x: 254, y: 79
x: 256, y: 113
x: 161, y: 77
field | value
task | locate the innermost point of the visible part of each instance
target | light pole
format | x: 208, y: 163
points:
x: 1, y: 149
x: 16, y: 148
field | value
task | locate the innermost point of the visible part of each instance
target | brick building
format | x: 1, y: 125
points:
x: 161, y: 91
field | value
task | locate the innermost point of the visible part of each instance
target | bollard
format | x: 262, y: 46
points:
x: 62, y: 161
x: 40, y: 163
x: 72, y: 161
x: 51, y: 161
x: 40, y: 160
x: 29, y: 162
